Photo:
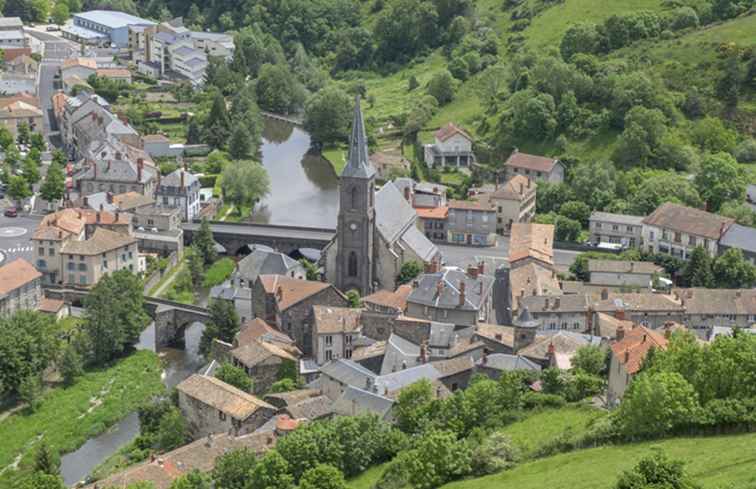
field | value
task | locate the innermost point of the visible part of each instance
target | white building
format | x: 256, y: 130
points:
x: 452, y: 147
x: 677, y: 230
x: 180, y: 189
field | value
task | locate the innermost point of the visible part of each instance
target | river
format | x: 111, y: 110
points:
x: 304, y: 191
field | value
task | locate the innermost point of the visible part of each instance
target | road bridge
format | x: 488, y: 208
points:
x: 286, y: 239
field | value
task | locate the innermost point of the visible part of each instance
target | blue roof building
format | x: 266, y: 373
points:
x: 113, y: 25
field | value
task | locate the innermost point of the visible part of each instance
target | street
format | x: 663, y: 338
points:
x: 15, y: 237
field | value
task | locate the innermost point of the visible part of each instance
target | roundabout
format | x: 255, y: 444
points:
x: 12, y: 232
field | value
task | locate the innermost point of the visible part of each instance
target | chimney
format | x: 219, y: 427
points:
x: 102, y: 207
x: 117, y: 215
x: 86, y: 201
x: 140, y: 167
x: 209, y: 441
x: 627, y: 356
x: 182, y: 178
x: 551, y: 350
x: 118, y: 155
x: 109, y: 197
x: 407, y: 194
x: 620, y: 332
x: 522, y: 188
x: 484, y: 359
x: 94, y: 167
x: 94, y: 116
x: 404, y: 364
x: 620, y: 314
x: 481, y: 267
x: 604, y: 294
x: 423, y: 352
x: 644, y: 338
x: 461, y: 293
x: 439, y: 287
x: 632, y: 266
x: 279, y: 293
x: 108, y: 166
x: 97, y: 216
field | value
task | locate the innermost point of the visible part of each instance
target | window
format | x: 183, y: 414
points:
x: 692, y: 240
x: 104, y: 263
x: 328, y: 355
x: 329, y: 340
x: 629, y: 229
x: 598, y: 225
x: 348, y: 339
x: 51, y: 251
x: 678, y: 237
x: 615, y: 227
x: 484, y: 217
x: 41, y: 264
x: 41, y: 252
x: 347, y: 353
x: 71, y: 266
x: 352, y: 264
x: 83, y: 279
x: 353, y: 197
x: 221, y: 415
x: 82, y: 267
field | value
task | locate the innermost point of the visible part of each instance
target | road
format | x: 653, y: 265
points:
x: 15, y: 237
x: 462, y: 256
x: 56, y: 50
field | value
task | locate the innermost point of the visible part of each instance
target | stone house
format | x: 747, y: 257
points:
x: 677, y: 230
x: 433, y: 222
x: 287, y: 303
x: 455, y: 373
x: 390, y: 162
x: 709, y: 308
x: 539, y: 168
x: 646, y: 309
x: 21, y: 109
x: 451, y: 147
x: 471, y: 223
x: 620, y: 229
x: 567, y: 312
x: 422, y: 194
x: 355, y: 401
x: 531, y: 263
x: 627, y: 355
x: 334, y: 332
x: 262, y: 361
x: 116, y: 176
x: 20, y: 287
x: 514, y: 201
x: 453, y: 296
x: 632, y: 274
x: 387, y: 302
x: 180, y: 189
x: 211, y: 406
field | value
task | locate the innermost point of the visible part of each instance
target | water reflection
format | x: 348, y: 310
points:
x: 303, y: 187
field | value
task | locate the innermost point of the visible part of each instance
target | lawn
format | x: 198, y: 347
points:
x: 540, y: 428
x: 218, y: 272
x: 68, y: 416
x: 716, y: 462
x: 337, y: 156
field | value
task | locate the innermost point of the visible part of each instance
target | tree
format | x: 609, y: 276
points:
x: 53, y: 187
x: 217, y: 160
x: 28, y: 345
x: 223, y: 325
x: 18, y: 188
x: 217, y: 128
x: 697, y: 271
x: 204, y: 243
x: 577, y: 211
x: 39, y: 480
x: 6, y: 138
x: 442, y: 86
x: 494, y: 454
x: 729, y: 83
x: 583, y: 37
x: 172, y: 430
x: 233, y: 469
x: 438, y: 458
x: 732, y: 271
x: 353, y: 297
x: 323, y: 476
x: 114, y: 315
x: 193, y: 480
x: 23, y: 133
x: 196, y: 266
x: 30, y: 389
x: 409, y: 271
x: 272, y: 471
x: 283, y: 385
x: 311, y: 269
x: 235, y: 376
x: 278, y: 89
x: 37, y: 142
x: 328, y: 115
x: 711, y: 135
x: 46, y: 460
x: 656, y: 471
x: 642, y: 136
x: 240, y: 144
x: 551, y: 196
x: 594, y: 183
x: 60, y: 13
x: 655, y: 404
x: 720, y: 179
x: 412, y: 407
x: 244, y: 184
x: 71, y: 365
x: 590, y: 359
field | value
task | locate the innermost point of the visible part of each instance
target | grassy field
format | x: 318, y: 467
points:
x: 716, y: 462
x: 218, y: 272
x: 337, y: 155
x: 68, y: 416
x: 539, y: 429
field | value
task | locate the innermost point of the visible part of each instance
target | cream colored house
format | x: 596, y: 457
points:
x: 21, y: 109
x: 515, y: 202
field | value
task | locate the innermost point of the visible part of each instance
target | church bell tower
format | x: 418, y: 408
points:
x: 356, y: 221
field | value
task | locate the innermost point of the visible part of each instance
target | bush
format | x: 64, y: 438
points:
x: 208, y: 181
x: 745, y: 152
x: 539, y: 400
x: 495, y: 454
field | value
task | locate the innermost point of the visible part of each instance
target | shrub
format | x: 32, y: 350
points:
x: 536, y: 400
x: 495, y: 454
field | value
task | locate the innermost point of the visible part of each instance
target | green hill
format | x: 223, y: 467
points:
x: 723, y: 461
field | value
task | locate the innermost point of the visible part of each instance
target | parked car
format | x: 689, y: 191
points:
x: 51, y: 28
x: 11, y: 212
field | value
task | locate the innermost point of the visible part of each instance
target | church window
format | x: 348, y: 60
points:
x: 352, y: 264
x: 372, y: 191
x: 354, y: 197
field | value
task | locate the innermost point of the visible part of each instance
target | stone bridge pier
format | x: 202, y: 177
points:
x: 171, y: 323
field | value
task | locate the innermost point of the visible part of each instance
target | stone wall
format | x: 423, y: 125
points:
x: 297, y: 320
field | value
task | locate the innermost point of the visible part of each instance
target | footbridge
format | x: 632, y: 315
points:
x: 286, y: 239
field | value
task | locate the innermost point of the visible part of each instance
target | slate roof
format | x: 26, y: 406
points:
x: 354, y: 401
x: 393, y: 214
x: 255, y: 352
x: 442, y: 289
x: 565, y: 343
x: 616, y: 218
x: 621, y: 266
x: 633, y: 348
x: 332, y: 320
x: 15, y: 274
x: 347, y: 372
x: 607, y: 325
x: 358, y: 162
x: 505, y: 362
x: 101, y: 242
x: 292, y: 397
x: 718, y: 301
x: 496, y: 332
x: 415, y: 240
x: 638, y: 302
x: 399, y: 352
x: 531, y: 162
x: 396, y: 381
x: 223, y: 397
x: 131, y: 200
x: 688, y: 220
x: 264, y: 261
x: 741, y: 237
x: 573, y: 303
x: 311, y: 408
x: 116, y: 171
x: 532, y: 279
x: 113, y: 19
x: 453, y: 366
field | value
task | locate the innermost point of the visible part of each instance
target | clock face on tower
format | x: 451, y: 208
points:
x: 353, y: 226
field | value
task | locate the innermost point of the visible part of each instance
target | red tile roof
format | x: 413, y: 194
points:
x: 290, y: 291
x: 532, y: 240
x: 450, y: 130
x: 531, y: 162
x: 432, y: 213
x: 633, y: 348
x: 15, y: 274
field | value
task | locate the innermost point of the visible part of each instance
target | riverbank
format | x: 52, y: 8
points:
x: 67, y: 417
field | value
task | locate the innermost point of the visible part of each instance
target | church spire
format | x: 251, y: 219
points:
x: 358, y: 165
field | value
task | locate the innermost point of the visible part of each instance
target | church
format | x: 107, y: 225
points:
x: 377, y: 230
